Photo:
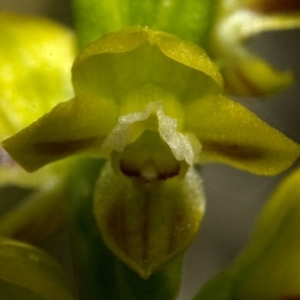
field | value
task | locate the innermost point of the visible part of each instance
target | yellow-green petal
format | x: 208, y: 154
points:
x: 247, y: 75
x: 118, y: 75
x: 13, y: 174
x: 29, y: 273
x: 231, y: 134
x: 121, y: 62
x: 71, y: 127
x: 235, y: 23
x: 35, y: 60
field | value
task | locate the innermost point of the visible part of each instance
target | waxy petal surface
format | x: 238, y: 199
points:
x: 231, y: 134
x: 70, y: 128
x: 148, y: 224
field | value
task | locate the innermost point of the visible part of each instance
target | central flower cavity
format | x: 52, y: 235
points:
x: 150, y: 158
x: 147, y: 144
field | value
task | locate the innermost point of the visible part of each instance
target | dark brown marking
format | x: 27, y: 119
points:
x: 238, y: 152
x: 65, y: 147
x: 132, y: 171
x: 276, y: 6
x: 145, y: 228
x: 116, y: 225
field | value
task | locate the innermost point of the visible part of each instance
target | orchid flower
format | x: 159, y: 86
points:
x: 239, y: 20
x: 147, y: 107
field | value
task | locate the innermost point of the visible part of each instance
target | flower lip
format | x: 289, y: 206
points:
x: 147, y: 225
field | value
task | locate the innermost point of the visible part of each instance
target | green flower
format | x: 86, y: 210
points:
x: 121, y: 94
x: 150, y: 102
x: 268, y: 267
x: 239, y: 20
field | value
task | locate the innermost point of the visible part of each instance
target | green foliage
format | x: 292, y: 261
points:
x: 189, y: 19
x: 268, y: 267
x: 34, y: 69
x: 26, y: 271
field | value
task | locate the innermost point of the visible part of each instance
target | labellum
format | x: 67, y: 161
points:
x: 148, y: 201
